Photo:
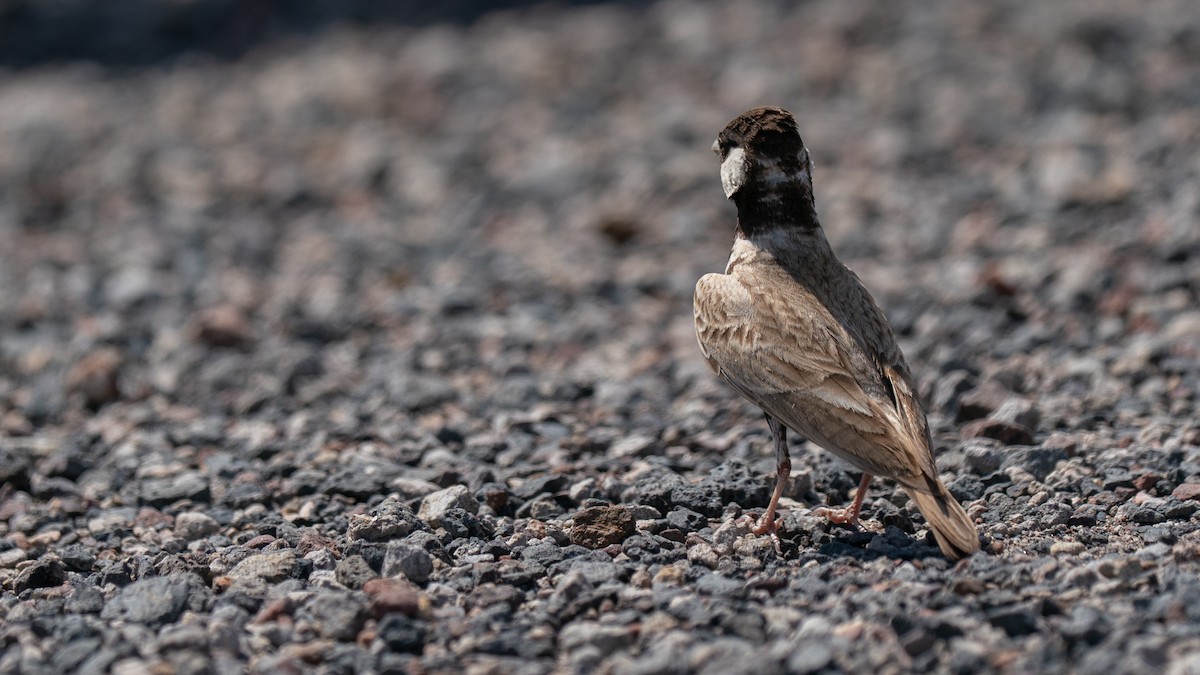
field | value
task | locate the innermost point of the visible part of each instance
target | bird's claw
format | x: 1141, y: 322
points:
x: 839, y: 516
x: 767, y: 525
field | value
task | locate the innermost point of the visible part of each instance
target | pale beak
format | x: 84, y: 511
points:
x: 716, y: 147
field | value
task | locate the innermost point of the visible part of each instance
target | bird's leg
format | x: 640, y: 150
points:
x: 848, y: 516
x: 783, y: 469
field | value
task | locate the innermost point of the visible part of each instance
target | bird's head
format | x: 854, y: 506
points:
x: 765, y: 168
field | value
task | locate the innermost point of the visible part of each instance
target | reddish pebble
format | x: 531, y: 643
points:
x: 392, y: 596
x: 1186, y: 491
x: 1146, y: 481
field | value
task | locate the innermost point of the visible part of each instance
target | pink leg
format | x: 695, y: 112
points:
x: 783, y: 470
x: 848, y: 516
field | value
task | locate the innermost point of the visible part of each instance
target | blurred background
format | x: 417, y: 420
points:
x: 233, y: 225
x: 266, y: 263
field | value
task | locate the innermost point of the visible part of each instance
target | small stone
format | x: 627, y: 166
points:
x: 401, y: 633
x: 981, y: 456
x: 388, y: 596
x: 543, y: 508
x: 1080, y: 577
x: 948, y: 391
x: 1018, y: 411
x: 1144, y: 515
x: 1066, y: 548
x: 968, y: 586
x: 981, y: 401
x: 1015, y: 621
x: 411, y: 488
x: 1037, y: 461
x: 1009, y: 433
x: 670, y: 575
x: 222, y: 326
x: 411, y: 562
x: 85, y: 600
x: 1054, y: 513
x: 1156, y: 534
x: 606, y: 638
x: 12, y: 556
x: 1186, y: 491
x: 270, y: 567
x: 191, y: 485
x: 1087, y: 514
x: 94, y: 377
x: 1062, y: 442
x: 1146, y: 481
x: 1175, y: 509
x: 192, y: 525
x: 435, y: 506
x: 917, y: 642
x: 336, y: 616
x: 703, y: 554
x: 390, y: 520
x: 810, y: 656
x: 686, y: 520
x: 714, y: 583
x: 353, y: 571
x: 1119, y: 568
x: 154, y: 601
x: 418, y: 391
x: 597, y: 573
x: 633, y: 446
x: 1086, y: 624
x: 77, y: 558
x: 728, y: 533
x: 703, y: 498
x: 46, y: 572
x: 601, y: 526
x: 1117, y: 478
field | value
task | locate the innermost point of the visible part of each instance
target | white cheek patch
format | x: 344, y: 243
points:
x: 733, y: 171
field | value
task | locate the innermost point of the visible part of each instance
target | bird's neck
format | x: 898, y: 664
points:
x: 805, y: 255
x: 780, y: 196
x: 788, y: 244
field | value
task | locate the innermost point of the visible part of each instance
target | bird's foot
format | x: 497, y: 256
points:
x: 847, y: 516
x: 768, y: 525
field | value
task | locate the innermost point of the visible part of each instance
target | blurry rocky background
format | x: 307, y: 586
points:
x: 344, y: 337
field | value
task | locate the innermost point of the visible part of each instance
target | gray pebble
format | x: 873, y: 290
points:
x: 435, y: 506
x: 269, y: 567
x: 412, y: 562
x: 337, y: 616
x: 194, y: 525
x: 151, y: 601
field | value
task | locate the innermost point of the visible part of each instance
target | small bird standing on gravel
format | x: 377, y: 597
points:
x: 794, y: 331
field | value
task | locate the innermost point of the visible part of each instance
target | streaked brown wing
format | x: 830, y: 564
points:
x: 742, y: 344
x: 784, y: 352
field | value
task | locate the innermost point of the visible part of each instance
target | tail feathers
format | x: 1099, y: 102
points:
x: 950, y: 524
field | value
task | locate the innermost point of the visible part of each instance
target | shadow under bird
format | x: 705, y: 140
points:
x: 791, y: 329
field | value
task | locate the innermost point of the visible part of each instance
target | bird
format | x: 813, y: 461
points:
x: 794, y: 331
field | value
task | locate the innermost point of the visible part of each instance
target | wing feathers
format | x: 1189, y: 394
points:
x: 785, y: 352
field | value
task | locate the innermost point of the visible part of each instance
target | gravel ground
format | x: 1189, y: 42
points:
x: 371, y: 350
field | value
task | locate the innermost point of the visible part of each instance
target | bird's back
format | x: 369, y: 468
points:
x: 802, y: 338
